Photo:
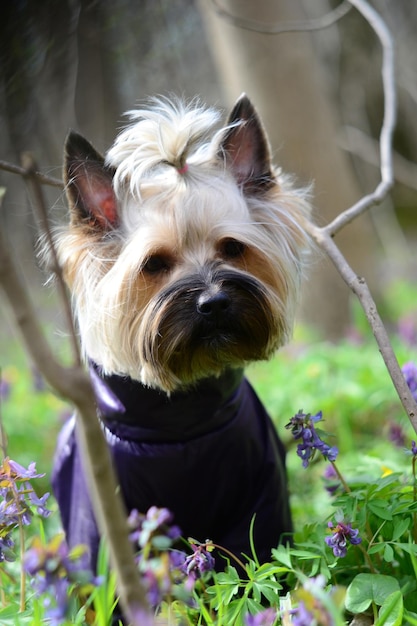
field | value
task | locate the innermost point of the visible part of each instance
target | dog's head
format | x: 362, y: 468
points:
x: 185, y: 246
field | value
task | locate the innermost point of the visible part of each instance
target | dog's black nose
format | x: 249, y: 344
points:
x: 213, y: 305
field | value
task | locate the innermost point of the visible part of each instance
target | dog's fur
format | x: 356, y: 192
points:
x: 184, y: 251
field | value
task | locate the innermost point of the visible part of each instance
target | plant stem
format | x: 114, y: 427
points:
x: 229, y: 553
x: 340, y: 477
x: 22, y: 569
x: 367, y: 559
x: 414, y: 498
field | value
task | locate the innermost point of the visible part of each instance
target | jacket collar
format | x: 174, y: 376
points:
x: 180, y: 416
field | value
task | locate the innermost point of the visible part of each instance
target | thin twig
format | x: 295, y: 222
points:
x: 45, y: 180
x: 361, y: 290
x: 29, y: 166
x: 284, y: 27
x: 388, y: 124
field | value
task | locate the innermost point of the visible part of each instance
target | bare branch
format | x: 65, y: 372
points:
x: 284, y: 27
x: 361, y: 290
x: 45, y: 180
x: 74, y: 385
x: 41, y: 213
x: 388, y: 124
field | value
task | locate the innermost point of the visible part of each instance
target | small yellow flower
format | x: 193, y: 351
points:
x: 386, y: 471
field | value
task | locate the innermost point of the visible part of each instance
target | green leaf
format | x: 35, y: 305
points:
x: 378, y: 547
x: 410, y: 548
x: 271, y: 594
x: 305, y: 554
x: 269, y: 569
x: 227, y: 585
x: 367, y: 588
x: 411, y: 619
x: 391, y: 612
x: 282, y: 556
x: 388, y: 553
x: 379, y: 508
x: 400, y: 527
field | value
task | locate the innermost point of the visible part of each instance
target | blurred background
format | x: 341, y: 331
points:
x: 81, y: 63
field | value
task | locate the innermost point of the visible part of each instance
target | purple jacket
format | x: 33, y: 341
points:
x: 211, y: 456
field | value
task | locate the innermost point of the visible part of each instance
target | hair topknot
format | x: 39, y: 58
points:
x: 166, y: 133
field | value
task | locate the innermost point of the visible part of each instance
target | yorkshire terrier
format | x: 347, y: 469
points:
x: 183, y: 255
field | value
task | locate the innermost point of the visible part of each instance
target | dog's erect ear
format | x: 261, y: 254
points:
x: 88, y: 184
x: 245, y: 148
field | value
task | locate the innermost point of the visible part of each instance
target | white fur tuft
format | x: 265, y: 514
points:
x: 167, y: 134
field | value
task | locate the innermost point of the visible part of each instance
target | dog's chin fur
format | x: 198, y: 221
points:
x: 171, y: 218
x: 166, y: 343
x: 178, y: 346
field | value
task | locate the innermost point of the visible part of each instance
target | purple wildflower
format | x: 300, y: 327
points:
x: 155, y: 524
x: 413, y: 448
x: 18, y: 472
x: 200, y: 561
x: 164, y: 569
x: 157, y: 584
x: 161, y: 573
x: 5, y: 389
x: 396, y: 434
x: 407, y: 330
x: 57, y: 572
x: 9, y: 514
x: 18, y: 493
x: 302, y: 426
x: 310, y: 610
x: 301, y: 616
x: 39, y: 503
x: 6, y: 547
x: 410, y: 374
x: 16, y: 503
x: 264, y: 618
x: 343, y: 533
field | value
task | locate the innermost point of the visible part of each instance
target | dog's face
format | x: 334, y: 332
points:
x: 183, y: 255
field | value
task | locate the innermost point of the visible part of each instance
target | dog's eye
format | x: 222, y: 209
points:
x: 232, y: 249
x: 157, y: 263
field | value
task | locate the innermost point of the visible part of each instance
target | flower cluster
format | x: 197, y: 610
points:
x: 342, y: 534
x: 153, y: 530
x: 310, y: 610
x: 302, y: 426
x: 200, y: 561
x: 410, y: 373
x: 163, y: 567
x: 18, y: 502
x: 57, y: 574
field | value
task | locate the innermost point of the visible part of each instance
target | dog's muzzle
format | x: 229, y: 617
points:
x: 201, y: 324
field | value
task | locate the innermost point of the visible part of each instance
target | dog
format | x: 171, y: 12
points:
x: 184, y: 255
